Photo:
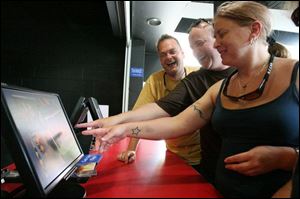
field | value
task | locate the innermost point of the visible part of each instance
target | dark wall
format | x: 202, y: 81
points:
x: 63, y: 47
x: 66, y: 47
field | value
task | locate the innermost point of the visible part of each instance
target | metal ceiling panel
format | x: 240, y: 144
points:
x: 168, y: 12
x: 173, y: 14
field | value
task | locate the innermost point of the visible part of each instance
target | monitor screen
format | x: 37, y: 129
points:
x: 45, y: 148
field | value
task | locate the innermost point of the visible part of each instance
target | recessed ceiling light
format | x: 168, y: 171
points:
x: 153, y: 21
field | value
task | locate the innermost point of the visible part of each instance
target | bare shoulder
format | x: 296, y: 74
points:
x: 283, y: 67
x: 288, y: 65
x: 285, y: 62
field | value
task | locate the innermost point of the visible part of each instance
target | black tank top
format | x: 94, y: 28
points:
x: 275, y: 123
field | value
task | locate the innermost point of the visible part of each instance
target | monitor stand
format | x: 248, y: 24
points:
x: 65, y: 189
x: 68, y: 189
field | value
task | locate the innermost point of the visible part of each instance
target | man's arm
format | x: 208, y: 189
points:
x: 148, y: 95
x: 193, y: 118
x: 145, y: 112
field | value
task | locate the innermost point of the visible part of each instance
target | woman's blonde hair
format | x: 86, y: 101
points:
x: 246, y: 12
x: 279, y: 50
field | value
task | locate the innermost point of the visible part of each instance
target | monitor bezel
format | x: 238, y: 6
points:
x: 20, y: 154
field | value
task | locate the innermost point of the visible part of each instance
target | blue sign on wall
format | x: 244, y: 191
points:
x: 136, y: 72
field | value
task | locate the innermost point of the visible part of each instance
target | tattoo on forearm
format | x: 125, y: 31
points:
x: 200, y: 112
x: 135, y: 131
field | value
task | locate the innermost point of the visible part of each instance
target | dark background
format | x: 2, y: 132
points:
x: 65, y: 47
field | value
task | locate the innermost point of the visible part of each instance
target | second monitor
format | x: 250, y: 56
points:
x: 79, y: 115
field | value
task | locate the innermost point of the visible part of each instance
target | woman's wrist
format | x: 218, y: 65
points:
x: 290, y: 155
x: 296, y: 149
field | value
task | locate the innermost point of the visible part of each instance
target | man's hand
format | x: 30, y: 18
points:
x: 104, y: 122
x: 127, y: 156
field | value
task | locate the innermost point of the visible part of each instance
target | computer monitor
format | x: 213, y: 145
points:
x: 42, y: 141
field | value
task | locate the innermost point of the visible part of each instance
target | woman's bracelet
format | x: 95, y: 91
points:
x: 297, y: 158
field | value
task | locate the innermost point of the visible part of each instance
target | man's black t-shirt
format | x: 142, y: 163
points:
x: 189, y: 90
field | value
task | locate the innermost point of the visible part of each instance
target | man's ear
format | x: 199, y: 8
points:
x: 183, y: 55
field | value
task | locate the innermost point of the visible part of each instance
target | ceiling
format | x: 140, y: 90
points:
x: 176, y: 17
